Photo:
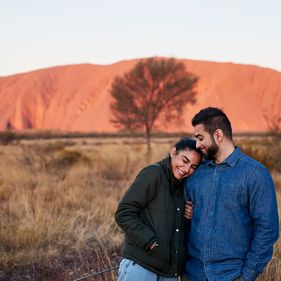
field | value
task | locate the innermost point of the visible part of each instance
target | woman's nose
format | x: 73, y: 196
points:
x: 187, y: 169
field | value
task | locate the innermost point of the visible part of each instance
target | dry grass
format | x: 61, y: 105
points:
x: 57, y: 201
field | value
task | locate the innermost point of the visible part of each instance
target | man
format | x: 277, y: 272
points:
x: 235, y: 220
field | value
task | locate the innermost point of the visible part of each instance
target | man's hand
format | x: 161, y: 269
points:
x: 188, y: 210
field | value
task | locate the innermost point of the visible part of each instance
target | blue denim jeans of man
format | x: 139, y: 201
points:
x: 185, y: 278
x: 131, y: 271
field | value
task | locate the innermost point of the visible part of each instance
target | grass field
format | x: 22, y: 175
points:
x: 58, y: 198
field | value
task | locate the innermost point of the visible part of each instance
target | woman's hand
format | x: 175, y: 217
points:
x: 188, y: 210
x: 154, y: 245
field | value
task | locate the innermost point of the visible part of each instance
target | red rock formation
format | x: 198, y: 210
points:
x: 77, y: 97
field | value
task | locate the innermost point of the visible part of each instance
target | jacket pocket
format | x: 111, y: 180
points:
x: 161, y: 253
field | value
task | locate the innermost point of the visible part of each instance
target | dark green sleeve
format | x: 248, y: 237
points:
x: 141, y: 192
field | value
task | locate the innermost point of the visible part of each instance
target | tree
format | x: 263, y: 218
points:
x: 153, y: 89
x: 273, y: 120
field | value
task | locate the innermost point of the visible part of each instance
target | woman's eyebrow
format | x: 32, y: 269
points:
x: 186, y: 158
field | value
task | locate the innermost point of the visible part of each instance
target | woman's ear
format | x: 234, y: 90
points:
x: 173, y: 152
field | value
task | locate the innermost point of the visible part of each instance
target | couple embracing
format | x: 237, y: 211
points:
x: 230, y: 196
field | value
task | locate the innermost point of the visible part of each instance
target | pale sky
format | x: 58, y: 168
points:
x: 43, y: 33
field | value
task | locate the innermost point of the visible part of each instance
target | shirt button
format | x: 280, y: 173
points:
x: 178, y: 209
x: 177, y: 230
x: 176, y: 251
x: 176, y: 274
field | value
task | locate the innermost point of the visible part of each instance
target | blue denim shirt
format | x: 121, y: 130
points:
x: 235, y: 219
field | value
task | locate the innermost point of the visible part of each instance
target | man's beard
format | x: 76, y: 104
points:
x: 212, y: 151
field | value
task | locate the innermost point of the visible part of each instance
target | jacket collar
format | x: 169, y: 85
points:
x: 166, y: 165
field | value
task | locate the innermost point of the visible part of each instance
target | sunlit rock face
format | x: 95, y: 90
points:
x: 77, y: 97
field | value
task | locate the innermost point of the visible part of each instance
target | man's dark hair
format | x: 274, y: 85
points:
x: 187, y: 143
x: 213, y: 118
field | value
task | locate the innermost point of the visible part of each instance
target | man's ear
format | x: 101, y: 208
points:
x: 218, y: 135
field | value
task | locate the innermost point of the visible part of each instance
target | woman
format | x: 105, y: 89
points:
x: 151, y: 214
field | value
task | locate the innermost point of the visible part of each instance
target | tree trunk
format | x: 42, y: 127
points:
x: 148, y: 145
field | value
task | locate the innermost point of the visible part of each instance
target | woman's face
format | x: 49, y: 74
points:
x: 184, y: 162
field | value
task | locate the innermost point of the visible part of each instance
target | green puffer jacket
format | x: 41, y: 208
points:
x: 153, y: 210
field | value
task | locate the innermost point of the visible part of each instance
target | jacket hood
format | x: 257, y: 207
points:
x: 167, y: 167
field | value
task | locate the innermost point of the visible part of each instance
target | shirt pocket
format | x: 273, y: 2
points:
x: 232, y: 196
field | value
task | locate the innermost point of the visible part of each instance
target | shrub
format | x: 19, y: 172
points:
x: 7, y: 137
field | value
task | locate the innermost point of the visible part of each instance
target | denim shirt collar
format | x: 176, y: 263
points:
x: 231, y: 160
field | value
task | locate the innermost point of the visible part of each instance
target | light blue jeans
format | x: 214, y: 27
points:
x: 130, y: 271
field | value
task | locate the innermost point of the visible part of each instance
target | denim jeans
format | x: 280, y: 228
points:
x: 185, y: 278
x: 130, y: 271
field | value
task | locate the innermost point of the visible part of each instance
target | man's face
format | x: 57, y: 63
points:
x: 205, y: 142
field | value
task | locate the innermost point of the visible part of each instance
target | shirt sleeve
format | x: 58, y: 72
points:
x: 264, y: 216
x: 140, y: 193
x: 188, y: 191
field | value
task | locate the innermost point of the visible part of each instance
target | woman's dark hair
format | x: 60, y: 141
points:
x: 213, y: 118
x: 187, y: 143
